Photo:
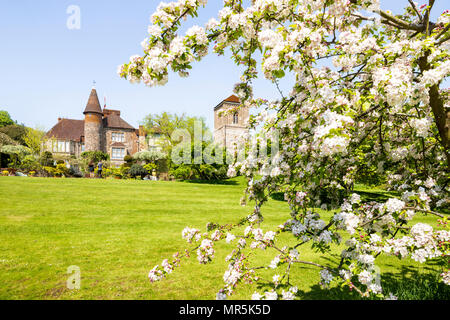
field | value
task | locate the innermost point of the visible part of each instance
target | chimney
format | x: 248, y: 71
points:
x: 141, y: 131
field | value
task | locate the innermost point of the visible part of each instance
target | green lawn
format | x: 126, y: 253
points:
x: 115, y: 231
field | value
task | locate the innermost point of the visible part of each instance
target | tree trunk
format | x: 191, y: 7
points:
x: 441, y: 116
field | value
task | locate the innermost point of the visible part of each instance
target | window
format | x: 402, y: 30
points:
x: 117, y: 137
x: 235, y: 118
x: 61, y: 146
x: 118, y: 153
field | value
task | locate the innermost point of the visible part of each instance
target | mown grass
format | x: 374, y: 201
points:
x: 115, y: 231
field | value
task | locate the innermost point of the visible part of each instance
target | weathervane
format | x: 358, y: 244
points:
x: 93, y: 84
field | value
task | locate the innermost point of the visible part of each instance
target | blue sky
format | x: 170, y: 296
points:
x: 48, y: 70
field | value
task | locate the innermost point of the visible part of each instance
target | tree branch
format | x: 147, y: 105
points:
x: 416, y: 11
x: 399, y: 22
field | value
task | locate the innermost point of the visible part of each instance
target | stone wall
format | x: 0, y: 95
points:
x: 229, y: 135
x: 130, y: 142
x: 92, y: 132
x: 226, y: 133
x: 227, y: 119
x: 75, y: 148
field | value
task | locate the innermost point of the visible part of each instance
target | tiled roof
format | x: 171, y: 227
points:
x: 230, y: 99
x: 93, y: 104
x: 115, y: 121
x: 233, y: 99
x: 67, y: 129
x: 107, y: 112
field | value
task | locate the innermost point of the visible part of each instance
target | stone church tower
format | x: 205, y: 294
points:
x: 229, y: 127
x: 93, y: 124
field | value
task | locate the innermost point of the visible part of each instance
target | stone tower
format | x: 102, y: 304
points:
x: 229, y: 127
x: 93, y: 118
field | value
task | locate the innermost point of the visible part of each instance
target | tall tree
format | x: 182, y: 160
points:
x: 5, y: 118
x: 166, y: 123
x: 34, y: 138
x: 15, y: 132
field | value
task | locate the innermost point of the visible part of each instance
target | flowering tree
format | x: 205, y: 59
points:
x: 366, y: 98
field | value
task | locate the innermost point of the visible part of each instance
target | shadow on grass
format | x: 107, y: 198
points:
x: 366, y: 196
x: 408, y: 284
x: 279, y: 196
x: 412, y: 285
x: 221, y: 182
x: 316, y: 292
x: 374, y: 196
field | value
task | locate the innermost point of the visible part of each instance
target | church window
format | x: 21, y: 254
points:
x: 235, y: 118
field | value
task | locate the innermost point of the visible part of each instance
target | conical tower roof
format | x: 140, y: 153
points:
x: 93, y: 105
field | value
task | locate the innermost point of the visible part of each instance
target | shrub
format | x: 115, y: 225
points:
x: 128, y: 161
x: 149, y: 156
x: 15, y: 132
x: 61, y: 170
x: 150, y: 167
x: 117, y: 173
x: 16, y: 152
x: 50, y: 171
x: 123, y: 171
x: 95, y: 156
x: 46, y: 159
x: 183, y: 172
x: 74, y: 172
x: 208, y: 172
x: 137, y: 170
x: 30, y: 163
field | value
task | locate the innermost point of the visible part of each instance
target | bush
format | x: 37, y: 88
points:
x: 124, y: 171
x: 16, y: 153
x: 95, y: 156
x: 15, y: 132
x: 75, y: 173
x: 182, y: 173
x: 30, y: 163
x: 128, y: 161
x: 137, y: 170
x: 149, y: 156
x: 49, y: 171
x: 46, y: 159
x: 207, y: 172
x: 60, y: 171
x: 150, y: 167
